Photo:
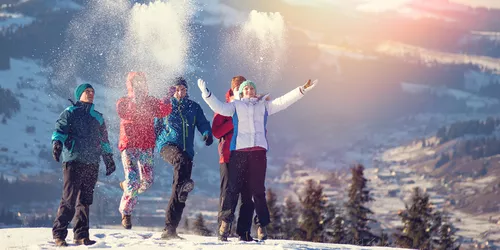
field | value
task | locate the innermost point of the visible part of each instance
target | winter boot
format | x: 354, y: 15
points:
x: 185, y: 189
x: 224, y: 231
x: 246, y: 236
x: 127, y: 221
x: 84, y: 241
x: 262, y: 233
x: 61, y: 243
x: 170, y: 234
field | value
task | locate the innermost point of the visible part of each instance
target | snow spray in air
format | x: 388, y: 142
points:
x: 257, y: 49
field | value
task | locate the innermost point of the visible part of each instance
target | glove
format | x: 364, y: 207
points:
x: 56, y: 150
x: 308, y: 86
x: 109, y: 163
x: 208, y: 139
x: 203, y: 87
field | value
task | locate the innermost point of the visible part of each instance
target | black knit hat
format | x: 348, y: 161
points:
x: 180, y: 81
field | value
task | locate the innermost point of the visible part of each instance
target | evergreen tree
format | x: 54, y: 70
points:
x: 290, y: 218
x: 446, y: 240
x: 199, y: 226
x: 339, y: 233
x: 357, y: 212
x: 417, y: 222
x: 313, y: 203
x: 384, y: 240
x: 274, y: 229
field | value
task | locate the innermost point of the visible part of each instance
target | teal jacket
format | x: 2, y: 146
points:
x: 83, y: 134
x: 178, y: 127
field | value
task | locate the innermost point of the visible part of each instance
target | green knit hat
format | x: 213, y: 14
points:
x: 245, y: 83
x: 80, y: 89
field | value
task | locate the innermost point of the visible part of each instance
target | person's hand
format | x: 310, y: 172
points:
x: 203, y: 87
x: 109, y: 163
x: 208, y: 139
x: 309, y: 85
x: 56, y: 150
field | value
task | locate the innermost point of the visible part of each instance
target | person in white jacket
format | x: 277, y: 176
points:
x: 248, y: 160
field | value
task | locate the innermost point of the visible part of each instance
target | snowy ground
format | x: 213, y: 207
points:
x: 41, y: 238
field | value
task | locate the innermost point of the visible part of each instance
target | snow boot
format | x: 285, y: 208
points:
x: 187, y: 187
x: 60, y: 243
x: 127, y: 221
x: 246, y: 237
x: 170, y: 234
x: 262, y: 233
x: 224, y: 231
x: 84, y: 241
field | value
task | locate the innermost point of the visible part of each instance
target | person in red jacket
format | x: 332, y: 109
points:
x: 137, y: 111
x: 222, y: 129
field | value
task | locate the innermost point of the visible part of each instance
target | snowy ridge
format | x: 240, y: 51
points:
x: 432, y: 56
x: 41, y: 238
x: 14, y: 20
x: 472, y: 100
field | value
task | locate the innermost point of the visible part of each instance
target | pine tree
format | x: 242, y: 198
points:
x: 357, y: 212
x: 446, y: 239
x: 339, y: 233
x: 417, y: 222
x: 290, y: 218
x: 199, y: 226
x: 313, y: 208
x: 384, y: 240
x: 274, y: 229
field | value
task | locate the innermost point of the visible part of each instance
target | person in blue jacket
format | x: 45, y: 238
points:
x: 81, y: 138
x: 175, y: 138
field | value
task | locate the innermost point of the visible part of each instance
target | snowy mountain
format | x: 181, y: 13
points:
x: 41, y: 238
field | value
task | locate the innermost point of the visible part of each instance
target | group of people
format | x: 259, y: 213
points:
x: 80, y: 139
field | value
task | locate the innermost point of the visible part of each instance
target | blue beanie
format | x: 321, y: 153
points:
x: 245, y: 83
x: 80, y: 89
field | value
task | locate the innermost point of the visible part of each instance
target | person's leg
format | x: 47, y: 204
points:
x: 257, y: 178
x: 66, y: 211
x: 146, y: 168
x: 237, y: 164
x: 246, y: 212
x: 181, y: 185
x: 131, y: 184
x: 224, y: 175
x: 88, y: 175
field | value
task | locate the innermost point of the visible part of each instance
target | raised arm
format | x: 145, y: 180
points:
x: 223, y: 108
x: 289, y: 98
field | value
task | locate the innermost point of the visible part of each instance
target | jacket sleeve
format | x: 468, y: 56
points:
x: 125, y: 108
x: 106, y: 148
x: 159, y: 126
x: 284, y: 101
x: 221, y: 125
x: 202, y: 124
x: 164, y: 108
x: 62, y: 127
x: 223, y: 108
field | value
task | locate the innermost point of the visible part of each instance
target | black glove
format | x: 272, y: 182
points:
x: 208, y: 139
x: 56, y: 150
x: 109, y: 163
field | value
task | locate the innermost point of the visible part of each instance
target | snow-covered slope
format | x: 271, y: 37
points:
x: 41, y: 238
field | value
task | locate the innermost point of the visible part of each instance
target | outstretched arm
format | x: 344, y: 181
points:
x: 289, y: 98
x: 223, y: 108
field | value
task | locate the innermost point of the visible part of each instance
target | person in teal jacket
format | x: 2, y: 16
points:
x: 81, y: 138
x: 175, y: 143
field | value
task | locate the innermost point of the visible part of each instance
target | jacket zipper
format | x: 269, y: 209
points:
x: 183, y: 127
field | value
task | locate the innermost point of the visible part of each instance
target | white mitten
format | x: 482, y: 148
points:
x: 203, y: 87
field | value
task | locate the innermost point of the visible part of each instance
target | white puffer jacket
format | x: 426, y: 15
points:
x: 250, y: 116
